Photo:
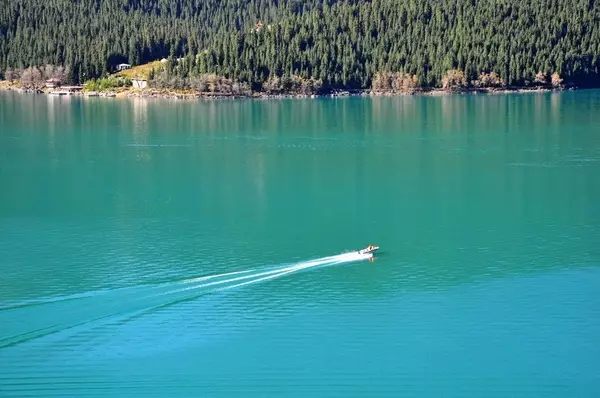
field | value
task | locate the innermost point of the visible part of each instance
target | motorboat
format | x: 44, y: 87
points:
x: 369, y: 249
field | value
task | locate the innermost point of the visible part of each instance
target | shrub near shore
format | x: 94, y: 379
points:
x: 35, y: 78
x: 181, y: 78
x: 107, y: 84
x: 183, y: 75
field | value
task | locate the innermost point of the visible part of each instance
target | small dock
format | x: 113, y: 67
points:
x: 66, y: 90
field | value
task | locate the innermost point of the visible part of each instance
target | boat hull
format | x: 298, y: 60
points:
x: 369, y: 250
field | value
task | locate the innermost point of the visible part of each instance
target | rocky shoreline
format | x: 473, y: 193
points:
x: 187, y: 95
x: 150, y: 93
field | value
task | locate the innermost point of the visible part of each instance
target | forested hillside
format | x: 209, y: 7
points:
x: 342, y: 44
x: 91, y: 35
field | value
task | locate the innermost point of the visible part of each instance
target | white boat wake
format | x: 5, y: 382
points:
x: 74, y: 313
x: 258, y: 275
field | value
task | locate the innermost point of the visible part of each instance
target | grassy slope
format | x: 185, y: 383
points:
x: 140, y: 71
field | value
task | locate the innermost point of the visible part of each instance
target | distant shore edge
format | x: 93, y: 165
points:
x: 168, y: 94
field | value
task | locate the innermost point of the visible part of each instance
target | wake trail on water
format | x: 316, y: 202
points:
x: 113, y: 291
x: 77, y: 312
x: 261, y: 275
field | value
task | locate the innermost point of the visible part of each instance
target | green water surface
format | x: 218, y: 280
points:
x: 486, y: 207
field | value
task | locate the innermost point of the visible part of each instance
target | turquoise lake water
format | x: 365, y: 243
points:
x: 171, y: 248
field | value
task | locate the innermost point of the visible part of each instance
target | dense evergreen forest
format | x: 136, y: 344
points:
x: 333, y: 44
